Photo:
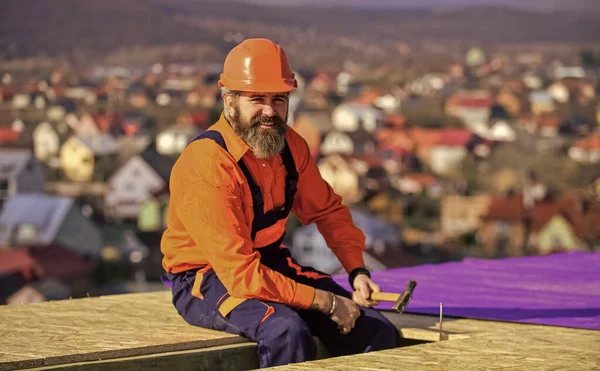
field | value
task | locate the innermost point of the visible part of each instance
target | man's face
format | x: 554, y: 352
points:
x: 260, y: 120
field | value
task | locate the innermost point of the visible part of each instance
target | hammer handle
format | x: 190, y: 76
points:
x: 384, y: 296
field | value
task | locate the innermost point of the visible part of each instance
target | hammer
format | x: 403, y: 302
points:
x: 400, y: 300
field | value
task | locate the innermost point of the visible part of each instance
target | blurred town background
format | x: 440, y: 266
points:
x: 460, y: 128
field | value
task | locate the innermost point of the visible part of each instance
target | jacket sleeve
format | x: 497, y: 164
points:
x: 212, y: 215
x: 317, y: 202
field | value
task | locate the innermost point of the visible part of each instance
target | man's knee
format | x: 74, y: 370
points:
x: 288, y: 340
x: 385, y: 335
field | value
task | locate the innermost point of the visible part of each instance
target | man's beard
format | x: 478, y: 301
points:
x: 265, y: 143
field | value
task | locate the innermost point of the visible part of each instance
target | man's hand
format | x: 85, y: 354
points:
x: 363, y: 287
x: 345, y: 314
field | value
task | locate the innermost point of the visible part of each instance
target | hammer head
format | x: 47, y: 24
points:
x: 405, y: 297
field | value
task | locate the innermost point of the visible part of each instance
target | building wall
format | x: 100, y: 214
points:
x: 462, y: 214
x: 32, y: 178
x: 492, y: 232
x: 130, y: 187
x: 444, y: 160
x: 557, y: 234
x: 79, y: 234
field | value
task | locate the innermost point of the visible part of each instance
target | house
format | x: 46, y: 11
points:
x: 541, y: 102
x: 341, y: 176
x: 559, y: 92
x: 387, y: 206
x: 312, y: 126
x: 8, y: 135
x: 19, y: 173
x: 423, y: 141
x: 352, y: 117
x: 317, y: 89
x: 461, y: 214
x: 501, y: 131
x: 337, y: 142
x: 418, y: 183
x: 130, y: 146
x: 504, y: 180
x: 55, y: 112
x: 509, y: 100
x: 573, y: 72
x: 198, y: 119
x: 173, y: 140
x: 41, y: 220
x: 21, y: 100
x: 84, y: 126
x: 556, y: 227
x: 47, y: 140
x: 349, y: 143
x: 122, y: 245
x: 41, y: 270
x: 496, y: 130
x: 139, y: 95
x: 586, y: 150
x: 449, y: 151
x: 153, y: 212
x: 471, y: 106
x: 510, y: 227
x: 135, y: 182
x: 7, y: 92
x: 88, y: 158
x: 548, y: 125
x: 134, y: 124
x: 503, y: 229
x: 206, y: 96
x: 309, y: 247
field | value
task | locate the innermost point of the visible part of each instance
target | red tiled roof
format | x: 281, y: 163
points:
x: 19, y: 261
x: 507, y: 208
x: 590, y: 143
x: 548, y: 121
x: 199, y: 118
x: 511, y: 208
x: 454, y: 137
x: 424, y: 137
x: 423, y: 179
x: 7, y: 135
x: 60, y: 262
x: 474, y: 102
x: 396, y: 120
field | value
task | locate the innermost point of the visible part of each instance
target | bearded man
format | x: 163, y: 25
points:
x: 232, y: 191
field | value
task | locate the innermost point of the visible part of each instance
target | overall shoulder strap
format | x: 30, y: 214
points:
x: 213, y: 135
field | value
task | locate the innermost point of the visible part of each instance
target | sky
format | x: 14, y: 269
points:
x: 546, y: 5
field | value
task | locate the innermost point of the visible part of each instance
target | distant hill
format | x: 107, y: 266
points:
x: 30, y: 28
x: 544, y: 5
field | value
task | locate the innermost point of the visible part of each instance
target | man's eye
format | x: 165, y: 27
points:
x: 256, y: 99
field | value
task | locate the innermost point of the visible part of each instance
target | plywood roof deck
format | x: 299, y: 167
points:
x: 51, y: 333
x: 143, y: 331
x: 475, y: 345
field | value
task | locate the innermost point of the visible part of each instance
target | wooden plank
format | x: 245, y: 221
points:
x: 234, y: 357
x: 227, y: 357
x: 35, y: 335
x: 488, y: 345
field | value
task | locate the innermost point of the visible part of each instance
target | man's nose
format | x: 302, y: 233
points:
x: 268, y: 110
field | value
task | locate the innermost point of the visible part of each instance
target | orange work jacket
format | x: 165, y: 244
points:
x: 210, y: 216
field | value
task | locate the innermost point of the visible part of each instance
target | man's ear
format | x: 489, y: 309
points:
x: 228, y: 101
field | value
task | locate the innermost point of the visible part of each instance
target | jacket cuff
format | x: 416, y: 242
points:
x: 303, y: 297
x: 352, y: 262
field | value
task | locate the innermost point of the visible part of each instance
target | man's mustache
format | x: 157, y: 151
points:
x: 266, y: 120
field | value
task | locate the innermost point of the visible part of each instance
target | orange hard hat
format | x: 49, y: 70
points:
x: 258, y: 65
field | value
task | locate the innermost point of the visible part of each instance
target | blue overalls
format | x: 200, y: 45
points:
x: 284, y: 334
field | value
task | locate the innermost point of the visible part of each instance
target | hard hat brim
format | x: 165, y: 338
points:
x: 282, y: 86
